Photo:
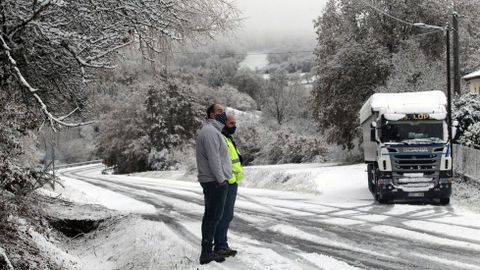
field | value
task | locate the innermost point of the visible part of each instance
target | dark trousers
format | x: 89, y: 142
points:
x: 214, y: 196
x: 221, y: 240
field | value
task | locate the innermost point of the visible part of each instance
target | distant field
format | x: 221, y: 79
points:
x: 254, y: 61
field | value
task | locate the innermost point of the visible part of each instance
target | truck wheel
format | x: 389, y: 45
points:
x: 444, y: 201
x: 382, y: 200
x: 370, y: 177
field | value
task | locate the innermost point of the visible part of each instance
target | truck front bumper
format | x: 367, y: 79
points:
x: 439, y: 192
x: 437, y: 189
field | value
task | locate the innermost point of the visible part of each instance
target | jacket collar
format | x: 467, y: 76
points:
x: 219, y: 126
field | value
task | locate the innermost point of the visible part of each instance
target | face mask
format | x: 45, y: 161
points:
x: 222, y: 118
x: 230, y: 131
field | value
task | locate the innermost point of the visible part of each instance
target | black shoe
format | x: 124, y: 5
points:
x: 226, y: 252
x: 207, y: 258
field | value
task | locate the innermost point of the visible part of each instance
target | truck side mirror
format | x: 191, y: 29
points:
x: 373, y: 137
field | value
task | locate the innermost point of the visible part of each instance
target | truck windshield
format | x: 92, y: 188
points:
x: 404, y: 131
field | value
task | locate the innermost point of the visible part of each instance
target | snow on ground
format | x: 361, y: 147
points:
x: 327, y: 262
x: 83, y: 193
x: 135, y: 243
x: 330, y: 221
x: 416, y: 236
x: 59, y: 256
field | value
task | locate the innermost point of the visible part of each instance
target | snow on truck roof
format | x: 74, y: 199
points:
x: 396, y: 105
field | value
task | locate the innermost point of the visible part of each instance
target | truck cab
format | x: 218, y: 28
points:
x: 406, y: 146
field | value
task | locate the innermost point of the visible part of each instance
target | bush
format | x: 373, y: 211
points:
x: 260, y: 144
x: 247, y: 81
x: 142, y: 128
x: 123, y: 141
x: 467, y: 113
x: 471, y: 136
x: 173, y: 115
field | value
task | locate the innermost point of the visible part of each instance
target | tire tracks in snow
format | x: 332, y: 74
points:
x: 275, y: 240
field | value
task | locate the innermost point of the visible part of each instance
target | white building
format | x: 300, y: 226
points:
x: 473, y: 81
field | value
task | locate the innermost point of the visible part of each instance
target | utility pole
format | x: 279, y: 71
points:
x: 449, y: 85
x: 456, y: 55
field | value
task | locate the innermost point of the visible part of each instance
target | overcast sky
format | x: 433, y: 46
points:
x: 285, y: 17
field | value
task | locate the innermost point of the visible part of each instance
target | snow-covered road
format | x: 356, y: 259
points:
x: 338, y: 226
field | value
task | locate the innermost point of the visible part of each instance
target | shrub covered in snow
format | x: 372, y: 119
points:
x: 143, y: 129
x: 173, y: 115
x: 123, y: 141
x: 467, y: 113
x: 261, y: 144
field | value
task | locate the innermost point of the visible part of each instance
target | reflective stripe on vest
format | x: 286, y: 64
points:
x: 237, y: 169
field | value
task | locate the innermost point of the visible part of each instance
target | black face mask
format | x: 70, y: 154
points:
x: 222, y: 118
x: 229, y: 131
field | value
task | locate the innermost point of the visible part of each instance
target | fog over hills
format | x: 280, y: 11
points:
x: 271, y: 22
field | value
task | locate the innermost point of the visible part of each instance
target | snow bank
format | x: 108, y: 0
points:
x: 58, y: 255
x: 330, y: 180
x: 135, y: 243
x: 84, y: 193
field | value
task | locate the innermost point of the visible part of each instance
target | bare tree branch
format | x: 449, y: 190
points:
x: 53, y: 120
x: 60, y: 45
x: 35, y: 15
x: 5, y: 258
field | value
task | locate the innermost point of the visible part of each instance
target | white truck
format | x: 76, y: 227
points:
x: 406, y: 146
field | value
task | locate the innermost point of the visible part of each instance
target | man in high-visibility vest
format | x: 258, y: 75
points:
x: 221, y: 241
x: 214, y: 170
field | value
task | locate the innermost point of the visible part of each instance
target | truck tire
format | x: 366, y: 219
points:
x: 370, y: 178
x: 382, y: 200
x: 444, y: 201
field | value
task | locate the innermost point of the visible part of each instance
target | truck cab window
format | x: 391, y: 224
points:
x: 404, y: 131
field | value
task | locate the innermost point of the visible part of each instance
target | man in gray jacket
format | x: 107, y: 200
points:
x: 214, y: 169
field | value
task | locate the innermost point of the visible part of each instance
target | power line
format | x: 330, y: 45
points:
x: 241, y: 54
x: 386, y: 14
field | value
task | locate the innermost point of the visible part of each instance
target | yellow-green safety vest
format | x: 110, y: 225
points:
x: 237, y: 169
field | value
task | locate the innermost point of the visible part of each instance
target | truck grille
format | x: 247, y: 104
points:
x: 415, y: 163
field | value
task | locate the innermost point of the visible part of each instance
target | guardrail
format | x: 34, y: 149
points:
x: 78, y: 164
x: 467, y: 161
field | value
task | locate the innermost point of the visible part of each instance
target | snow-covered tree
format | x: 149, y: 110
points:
x: 413, y: 71
x: 249, y: 82
x: 279, y: 99
x: 361, y: 48
x: 50, y: 50
x: 123, y: 141
x: 173, y: 115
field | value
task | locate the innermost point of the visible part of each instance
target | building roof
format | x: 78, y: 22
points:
x: 472, y: 75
